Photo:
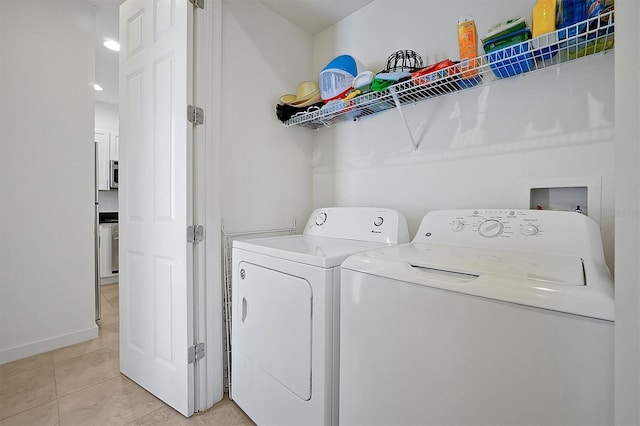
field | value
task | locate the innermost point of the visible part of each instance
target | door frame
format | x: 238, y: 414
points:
x: 209, y: 374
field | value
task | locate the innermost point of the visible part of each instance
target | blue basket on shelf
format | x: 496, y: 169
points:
x: 510, y: 55
x: 545, y: 46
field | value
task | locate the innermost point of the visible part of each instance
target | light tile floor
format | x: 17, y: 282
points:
x: 82, y: 385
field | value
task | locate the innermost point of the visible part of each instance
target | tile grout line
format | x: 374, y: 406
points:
x: 55, y: 382
x: 55, y: 386
x: 29, y: 409
x: 92, y: 384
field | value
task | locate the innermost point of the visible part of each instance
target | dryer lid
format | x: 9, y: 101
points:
x: 323, y: 252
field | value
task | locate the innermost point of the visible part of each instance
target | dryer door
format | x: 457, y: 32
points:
x: 273, y: 329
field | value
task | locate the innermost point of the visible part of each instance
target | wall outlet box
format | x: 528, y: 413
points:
x: 567, y: 194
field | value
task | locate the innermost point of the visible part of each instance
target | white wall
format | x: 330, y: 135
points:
x: 106, y: 116
x: 483, y: 147
x: 108, y: 201
x: 627, y: 214
x: 267, y: 167
x: 46, y: 176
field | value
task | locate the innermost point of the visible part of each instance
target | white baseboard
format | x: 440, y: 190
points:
x: 109, y: 280
x: 42, y: 346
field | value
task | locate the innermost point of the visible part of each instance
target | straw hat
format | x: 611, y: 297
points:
x: 307, y: 93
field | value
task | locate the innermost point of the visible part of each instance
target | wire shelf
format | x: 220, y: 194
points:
x: 585, y: 38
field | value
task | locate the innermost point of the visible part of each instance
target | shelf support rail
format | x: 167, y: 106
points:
x: 415, y: 138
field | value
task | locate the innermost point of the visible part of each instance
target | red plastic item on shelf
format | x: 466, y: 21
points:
x: 433, y: 72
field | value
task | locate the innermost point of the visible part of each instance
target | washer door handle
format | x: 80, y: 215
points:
x: 244, y: 309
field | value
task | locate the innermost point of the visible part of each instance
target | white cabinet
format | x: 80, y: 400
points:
x: 114, y: 146
x: 108, y: 150
x: 106, y: 250
x: 101, y: 137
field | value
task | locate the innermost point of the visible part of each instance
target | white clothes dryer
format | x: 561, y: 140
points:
x: 487, y: 317
x: 285, y: 294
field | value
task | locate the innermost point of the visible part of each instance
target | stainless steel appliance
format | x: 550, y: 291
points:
x: 111, y: 238
x: 96, y: 235
x: 115, y: 237
x: 114, y: 175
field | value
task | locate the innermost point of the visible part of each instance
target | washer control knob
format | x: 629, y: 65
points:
x: 321, y: 219
x: 490, y: 228
x: 378, y: 221
x: 529, y: 230
x: 457, y: 225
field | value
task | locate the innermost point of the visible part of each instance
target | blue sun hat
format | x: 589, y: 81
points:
x: 336, y: 79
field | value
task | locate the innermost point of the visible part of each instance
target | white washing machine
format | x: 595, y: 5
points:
x: 492, y: 317
x: 285, y: 313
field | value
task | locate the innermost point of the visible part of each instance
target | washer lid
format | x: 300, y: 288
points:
x: 324, y: 252
x: 547, y: 281
x: 540, y: 267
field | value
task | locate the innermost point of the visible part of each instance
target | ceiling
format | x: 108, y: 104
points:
x: 312, y: 16
x: 106, y: 60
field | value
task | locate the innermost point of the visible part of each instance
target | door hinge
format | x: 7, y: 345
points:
x: 195, y: 234
x: 197, y: 3
x: 195, y: 114
x: 195, y: 353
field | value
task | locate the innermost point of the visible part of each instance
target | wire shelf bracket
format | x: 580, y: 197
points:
x: 415, y: 137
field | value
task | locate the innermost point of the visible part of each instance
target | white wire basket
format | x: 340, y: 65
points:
x: 585, y: 38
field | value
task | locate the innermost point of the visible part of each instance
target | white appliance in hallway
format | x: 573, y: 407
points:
x: 285, y: 313
x: 487, y: 317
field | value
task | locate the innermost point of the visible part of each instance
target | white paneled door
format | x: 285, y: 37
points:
x: 156, y: 279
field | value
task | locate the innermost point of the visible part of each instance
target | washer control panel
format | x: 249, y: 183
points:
x: 492, y: 223
x: 536, y: 231
x: 491, y: 228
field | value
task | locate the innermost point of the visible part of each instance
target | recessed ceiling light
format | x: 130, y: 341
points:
x: 97, y: 87
x: 112, y: 45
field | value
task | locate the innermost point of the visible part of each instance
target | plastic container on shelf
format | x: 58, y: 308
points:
x: 570, y: 13
x: 438, y: 78
x: 433, y: 72
x: 509, y: 55
x: 543, y: 29
x: 545, y: 46
x: 336, y: 79
x: 602, y: 24
x: 594, y: 8
x: 504, y: 28
x: 544, y: 17
x: 507, y: 40
x: 583, y: 49
x: 468, y: 44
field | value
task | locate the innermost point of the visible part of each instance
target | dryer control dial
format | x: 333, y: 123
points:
x: 457, y: 225
x: 490, y: 228
x: 321, y: 218
x: 529, y: 230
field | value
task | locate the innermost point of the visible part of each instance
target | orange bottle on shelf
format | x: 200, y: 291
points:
x: 468, y: 47
x: 544, y: 17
